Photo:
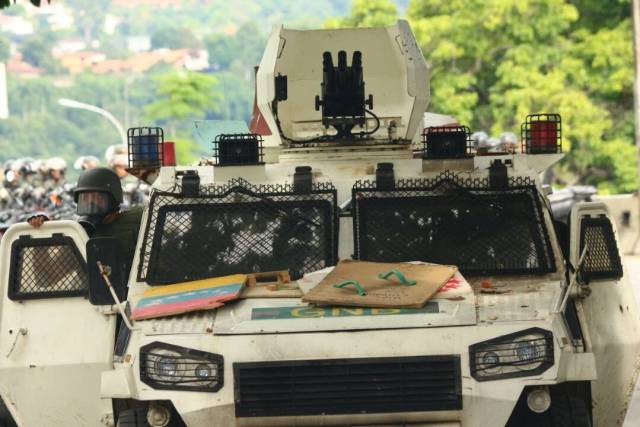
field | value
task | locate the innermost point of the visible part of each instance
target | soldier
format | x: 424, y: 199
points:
x: 56, y: 168
x: 509, y: 142
x: 99, y: 197
x: 13, y: 174
x: 5, y: 194
x: 134, y: 190
x: 480, y: 141
x: 117, y: 160
x: 37, y: 177
x: 26, y: 170
x: 86, y: 162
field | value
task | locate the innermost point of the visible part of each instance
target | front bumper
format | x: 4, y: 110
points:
x: 483, y: 404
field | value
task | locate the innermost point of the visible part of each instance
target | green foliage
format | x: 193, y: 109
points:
x: 367, y: 13
x: 89, y: 17
x: 174, y: 38
x: 495, y: 61
x: 183, y: 95
x: 236, y: 96
x: 492, y: 62
x: 4, y: 49
x: 39, y: 127
x: 529, y: 56
x: 595, y: 15
x: 36, y: 50
x: 186, y: 150
x: 244, y: 48
x: 221, y: 49
x: 7, y: 3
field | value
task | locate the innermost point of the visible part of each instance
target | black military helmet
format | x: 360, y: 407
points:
x: 102, y: 180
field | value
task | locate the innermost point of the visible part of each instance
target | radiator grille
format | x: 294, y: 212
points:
x: 347, y: 386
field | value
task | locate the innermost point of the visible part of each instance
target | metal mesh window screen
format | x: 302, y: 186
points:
x: 602, y: 260
x: 452, y: 220
x: 239, y: 228
x: 46, y: 268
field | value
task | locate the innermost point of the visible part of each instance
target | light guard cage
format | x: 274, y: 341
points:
x: 238, y: 149
x: 145, y: 147
x: 446, y: 142
x: 506, y: 363
x: 541, y: 134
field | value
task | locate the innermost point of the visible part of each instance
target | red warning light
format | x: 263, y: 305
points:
x: 542, y: 134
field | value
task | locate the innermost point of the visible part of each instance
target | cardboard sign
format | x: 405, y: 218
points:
x: 380, y: 292
x: 189, y: 296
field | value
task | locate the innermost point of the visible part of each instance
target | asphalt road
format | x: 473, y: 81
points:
x: 633, y: 271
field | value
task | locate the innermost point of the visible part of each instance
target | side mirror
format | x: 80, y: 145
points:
x: 108, y: 251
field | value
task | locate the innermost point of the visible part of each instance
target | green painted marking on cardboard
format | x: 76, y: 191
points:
x: 271, y: 313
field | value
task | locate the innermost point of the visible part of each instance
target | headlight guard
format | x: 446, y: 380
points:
x: 521, y: 354
x: 170, y: 367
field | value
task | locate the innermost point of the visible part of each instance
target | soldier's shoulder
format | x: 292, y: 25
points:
x: 134, y: 212
x: 133, y: 215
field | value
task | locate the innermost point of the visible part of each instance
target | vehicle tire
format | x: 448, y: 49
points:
x: 136, y: 417
x: 569, y: 411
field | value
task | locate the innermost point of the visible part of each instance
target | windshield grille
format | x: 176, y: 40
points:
x: 452, y: 220
x: 239, y: 228
x: 49, y: 267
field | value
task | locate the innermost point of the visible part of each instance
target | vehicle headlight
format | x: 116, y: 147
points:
x: 170, y: 367
x: 521, y: 354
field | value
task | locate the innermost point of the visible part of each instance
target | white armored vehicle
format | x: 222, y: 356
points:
x: 540, y: 328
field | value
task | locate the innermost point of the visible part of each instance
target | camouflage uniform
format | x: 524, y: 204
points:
x: 125, y: 228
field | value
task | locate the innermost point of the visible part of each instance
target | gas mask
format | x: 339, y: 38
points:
x: 89, y: 223
x: 92, y: 208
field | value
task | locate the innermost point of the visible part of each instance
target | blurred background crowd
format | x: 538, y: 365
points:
x: 40, y: 186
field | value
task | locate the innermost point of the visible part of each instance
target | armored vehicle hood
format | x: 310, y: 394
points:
x: 459, y: 303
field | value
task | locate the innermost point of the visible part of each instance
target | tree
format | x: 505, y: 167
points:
x: 7, y: 3
x: 89, y: 17
x: 495, y: 61
x: 174, y: 38
x: 36, y: 50
x: 236, y: 96
x: 222, y: 50
x: 180, y: 96
x: 245, y: 47
x: 367, y: 13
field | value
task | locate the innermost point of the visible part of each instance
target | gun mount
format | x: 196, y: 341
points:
x: 342, y: 102
x: 387, y: 59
